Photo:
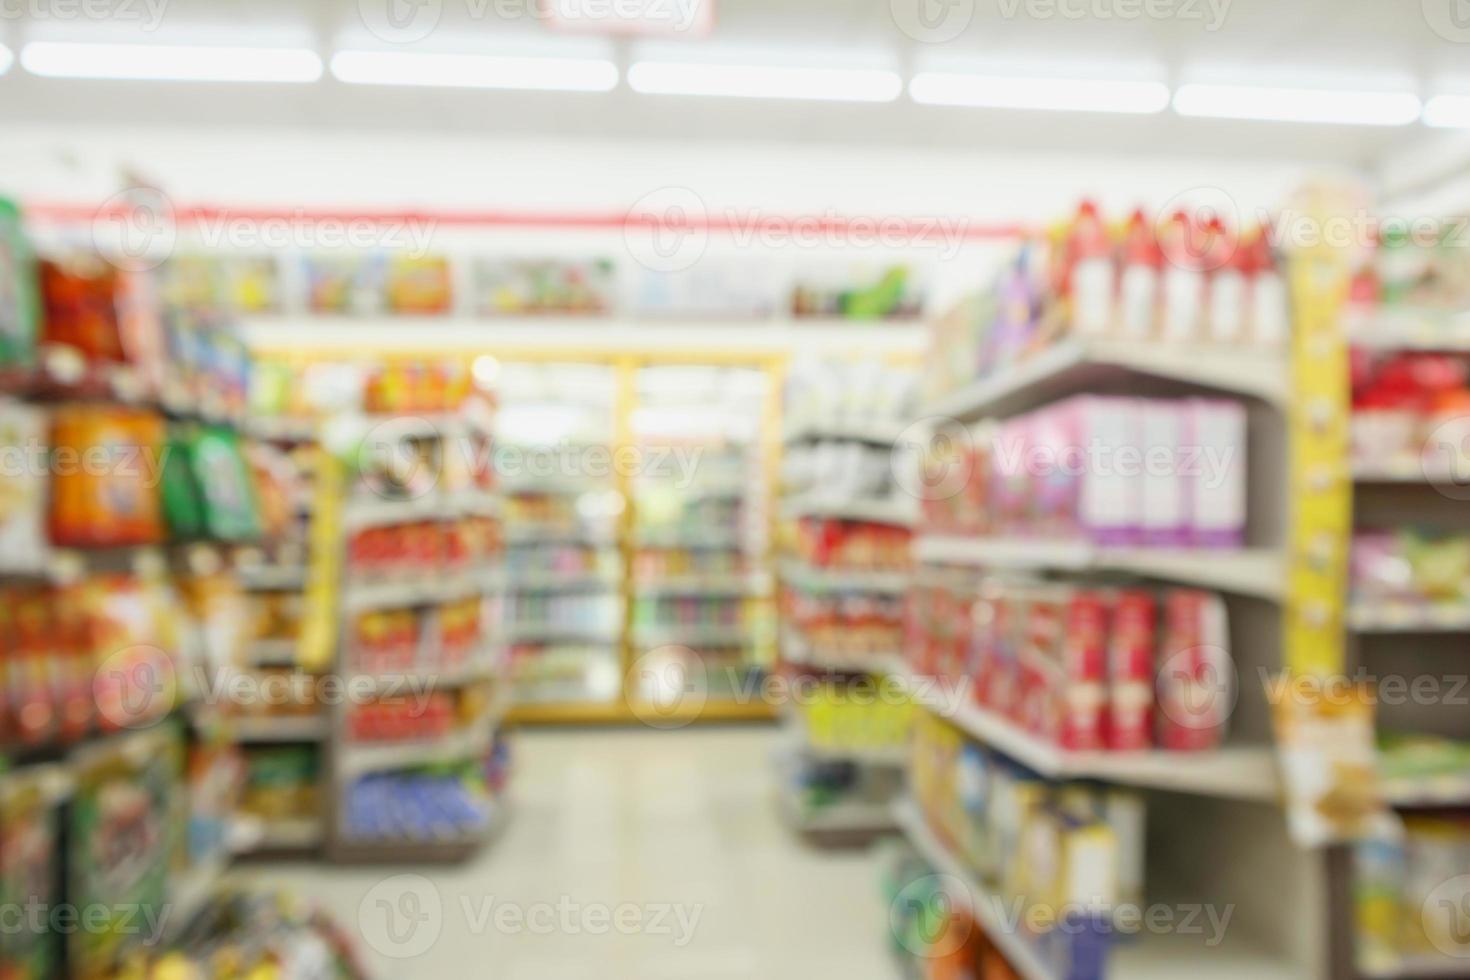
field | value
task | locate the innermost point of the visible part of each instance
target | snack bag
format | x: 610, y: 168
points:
x: 225, y: 484
x: 105, y: 488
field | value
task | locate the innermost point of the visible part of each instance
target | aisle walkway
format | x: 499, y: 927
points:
x: 638, y: 855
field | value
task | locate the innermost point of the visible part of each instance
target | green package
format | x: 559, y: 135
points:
x: 231, y: 512
x: 19, y: 299
x: 182, y: 506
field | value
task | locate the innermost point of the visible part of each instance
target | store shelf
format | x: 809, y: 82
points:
x: 1230, y: 773
x: 266, y: 730
x: 838, y: 818
x: 1410, y: 329
x: 359, y: 758
x: 1257, y: 572
x: 704, y: 585
x: 428, y: 679
x: 1077, y: 366
x: 281, y: 428
x: 431, y: 589
x: 1401, y: 471
x: 692, y: 635
x: 271, y: 653
x: 560, y: 582
x: 809, y: 578
x: 1427, y: 792
x: 900, y: 512
x: 525, y: 532
x: 884, y: 432
x: 515, y: 633
x: 1408, y: 617
x: 869, y: 663
x: 289, y: 833
x: 1168, y: 956
x: 272, y: 577
x: 690, y: 538
x: 618, y: 713
x: 1419, y: 968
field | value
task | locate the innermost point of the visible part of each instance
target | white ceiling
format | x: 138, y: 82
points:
x: 1258, y: 40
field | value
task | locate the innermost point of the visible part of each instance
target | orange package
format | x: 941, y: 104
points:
x: 105, y: 486
x: 80, y: 308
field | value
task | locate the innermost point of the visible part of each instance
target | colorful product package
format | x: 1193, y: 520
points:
x: 105, y: 481
x: 80, y: 302
x: 1131, y: 671
x: 1165, y: 514
x: 1196, y: 685
x: 20, y: 312
x: 1084, y: 674
x: 422, y: 284
x: 1107, y: 429
x: 29, y: 847
x: 225, y: 483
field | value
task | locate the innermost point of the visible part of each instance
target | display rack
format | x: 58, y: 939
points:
x: 476, y: 680
x: 1221, y: 806
x: 836, y: 771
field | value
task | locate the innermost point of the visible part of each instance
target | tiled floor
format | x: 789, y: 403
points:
x: 640, y: 855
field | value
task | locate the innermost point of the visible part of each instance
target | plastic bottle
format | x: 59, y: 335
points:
x: 1184, y: 280
x: 1229, y: 287
x: 1270, y: 318
x: 1093, y: 274
x: 1139, y: 285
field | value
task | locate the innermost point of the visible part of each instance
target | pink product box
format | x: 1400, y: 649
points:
x: 1010, y: 474
x: 1214, y: 462
x: 1165, y: 487
x: 1103, y: 443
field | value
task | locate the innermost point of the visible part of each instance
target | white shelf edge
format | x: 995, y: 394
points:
x: 882, y: 432
x: 360, y: 758
x: 1257, y: 572
x: 899, y: 513
x: 1256, y: 374
x: 803, y: 576
x: 1388, y: 617
x: 264, y: 731
x: 1229, y: 773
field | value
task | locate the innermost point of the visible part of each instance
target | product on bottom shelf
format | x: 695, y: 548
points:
x: 427, y: 805
x: 215, y: 775
x: 1409, y: 894
x: 1423, y: 766
x: 122, y: 837
x: 933, y: 936
x: 1068, y: 853
x: 281, y: 783
x: 29, y: 875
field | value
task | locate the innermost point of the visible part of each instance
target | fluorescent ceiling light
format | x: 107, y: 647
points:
x: 765, y: 81
x: 474, y: 71
x: 1298, y: 105
x: 192, y: 63
x: 1448, y: 111
x: 1025, y: 92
